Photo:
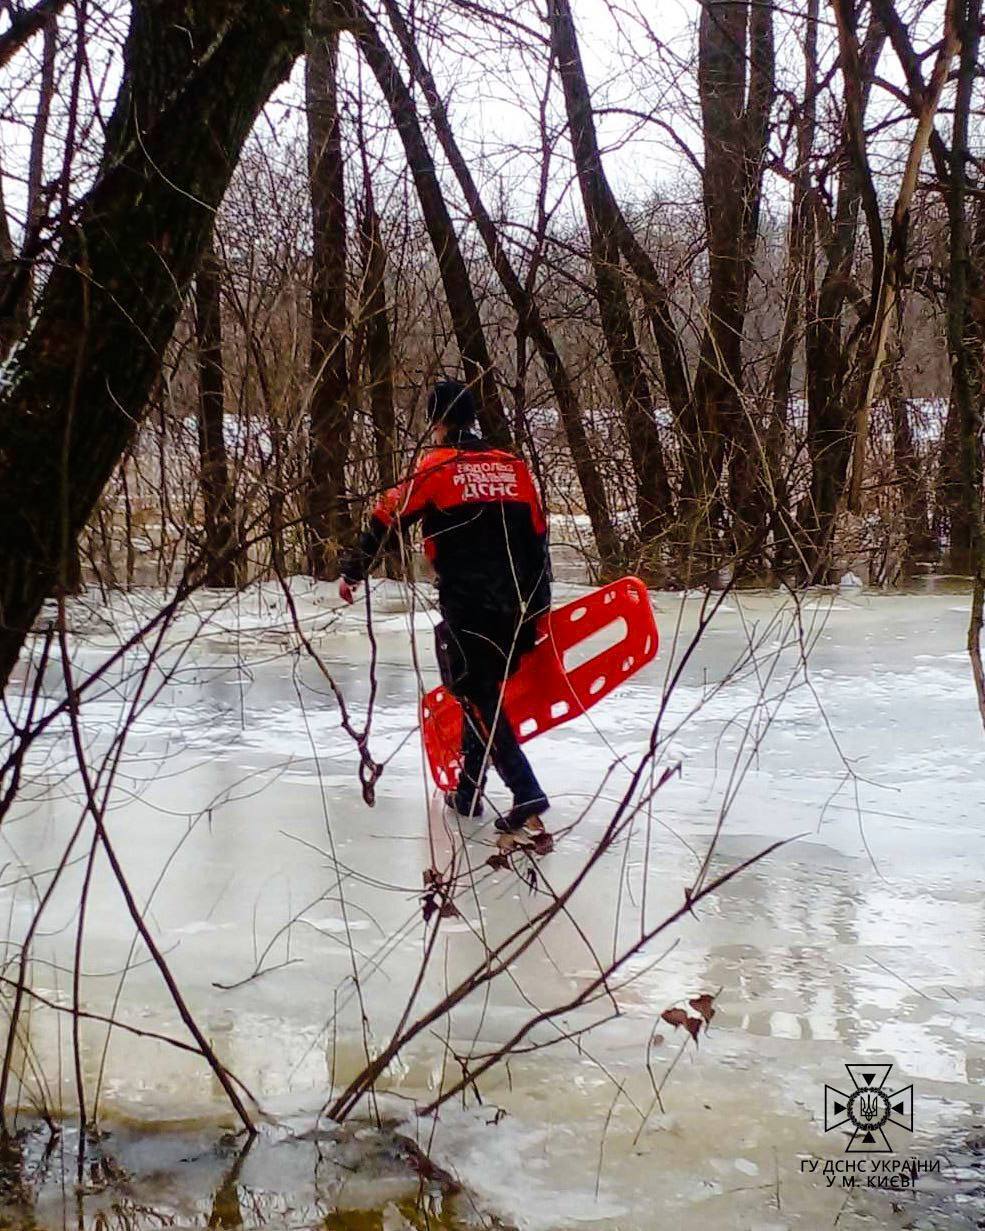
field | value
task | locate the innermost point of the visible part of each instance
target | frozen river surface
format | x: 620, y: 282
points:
x: 238, y: 816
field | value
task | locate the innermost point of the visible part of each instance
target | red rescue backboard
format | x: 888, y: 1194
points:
x: 543, y: 694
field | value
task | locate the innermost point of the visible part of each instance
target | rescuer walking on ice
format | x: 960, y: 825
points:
x: 486, y: 535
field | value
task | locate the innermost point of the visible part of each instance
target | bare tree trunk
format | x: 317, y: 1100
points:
x: 949, y: 509
x: 46, y: 90
x: 842, y: 407
x: 379, y: 347
x: 955, y: 509
x: 331, y: 423
x: 24, y: 24
x: 220, y: 559
x: 889, y: 261
x: 973, y: 414
x: 459, y: 295
x: 657, y: 310
x: 378, y: 353
x: 799, y: 300
x: 276, y: 488
x: 830, y: 418
x: 654, y: 498
x: 70, y: 579
x: 910, y: 472
x: 912, y: 483
x: 78, y: 387
x: 964, y: 339
x: 736, y: 87
x: 531, y: 323
x: 9, y: 325
x: 16, y: 277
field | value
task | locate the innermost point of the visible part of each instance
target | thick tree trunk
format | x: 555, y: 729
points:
x: 830, y: 417
x: 889, y: 262
x: 829, y: 438
x: 957, y: 508
x: 847, y: 423
x: 459, y: 295
x: 75, y: 393
x: 736, y: 88
x: 799, y: 299
x: 220, y: 561
x: 331, y: 422
x: 10, y: 329
x: 524, y: 305
x: 654, y: 498
x: 965, y: 334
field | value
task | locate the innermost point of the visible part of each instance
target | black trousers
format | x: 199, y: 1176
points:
x: 476, y: 656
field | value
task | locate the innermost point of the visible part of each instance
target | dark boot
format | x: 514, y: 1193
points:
x: 520, y: 813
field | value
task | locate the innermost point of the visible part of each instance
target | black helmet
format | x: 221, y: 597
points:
x: 450, y: 402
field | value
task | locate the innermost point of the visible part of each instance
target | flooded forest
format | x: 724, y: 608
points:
x: 708, y: 276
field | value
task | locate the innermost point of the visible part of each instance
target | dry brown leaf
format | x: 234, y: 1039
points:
x: 677, y: 1017
x: 704, y: 1005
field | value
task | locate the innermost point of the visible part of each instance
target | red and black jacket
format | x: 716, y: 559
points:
x: 484, y: 530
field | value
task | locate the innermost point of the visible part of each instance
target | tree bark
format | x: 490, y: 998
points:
x: 11, y: 325
x: 39, y: 133
x: 654, y: 499
x: 736, y: 89
x: 911, y: 480
x: 219, y: 561
x: 331, y: 423
x: 76, y: 391
x: 459, y: 295
x: 379, y: 345
x: 24, y: 25
x: 524, y: 305
x: 8, y: 254
x: 17, y: 274
x: 965, y: 333
x: 889, y: 259
x: 799, y: 299
x: 378, y: 355
x: 830, y: 418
